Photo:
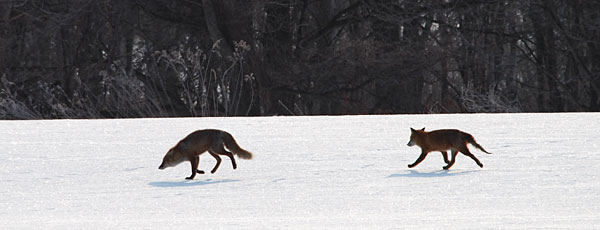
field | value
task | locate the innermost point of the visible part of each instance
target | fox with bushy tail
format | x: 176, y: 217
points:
x: 443, y: 140
x: 196, y: 143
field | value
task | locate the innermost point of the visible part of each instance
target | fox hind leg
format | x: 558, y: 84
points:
x: 466, y: 151
x: 221, y: 151
x: 230, y: 155
x: 218, y: 158
x: 445, y: 155
x: 453, y: 155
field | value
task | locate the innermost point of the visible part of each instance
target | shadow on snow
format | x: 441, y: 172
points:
x: 167, y: 184
x: 438, y: 173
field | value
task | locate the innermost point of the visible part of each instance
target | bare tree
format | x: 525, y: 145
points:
x: 108, y: 58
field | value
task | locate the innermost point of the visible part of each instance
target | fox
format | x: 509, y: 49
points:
x: 196, y: 143
x: 443, y: 140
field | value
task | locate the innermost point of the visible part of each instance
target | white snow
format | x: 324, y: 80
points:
x: 321, y: 172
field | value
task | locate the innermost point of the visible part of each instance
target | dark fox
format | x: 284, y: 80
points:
x: 443, y: 140
x: 196, y: 143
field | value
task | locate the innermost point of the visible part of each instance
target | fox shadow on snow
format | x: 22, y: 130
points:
x: 188, y: 183
x: 438, y: 173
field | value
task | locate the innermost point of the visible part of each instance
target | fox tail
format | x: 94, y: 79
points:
x: 471, y: 140
x: 235, y: 148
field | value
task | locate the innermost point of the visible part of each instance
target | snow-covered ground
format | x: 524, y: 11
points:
x: 337, y: 172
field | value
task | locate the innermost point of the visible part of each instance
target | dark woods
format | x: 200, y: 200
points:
x: 156, y: 58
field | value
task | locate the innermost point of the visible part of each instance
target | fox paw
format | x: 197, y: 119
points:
x: 189, y: 178
x: 411, y: 166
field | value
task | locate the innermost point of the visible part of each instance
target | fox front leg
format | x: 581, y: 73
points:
x: 197, y: 170
x: 194, y: 163
x: 421, y: 158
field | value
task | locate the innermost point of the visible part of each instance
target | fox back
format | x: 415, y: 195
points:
x: 200, y: 141
x: 442, y: 140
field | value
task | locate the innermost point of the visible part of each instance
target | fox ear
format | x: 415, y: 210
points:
x: 423, y: 129
x: 411, y: 129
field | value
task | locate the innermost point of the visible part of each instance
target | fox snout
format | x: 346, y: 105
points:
x: 411, y: 143
x: 162, y: 166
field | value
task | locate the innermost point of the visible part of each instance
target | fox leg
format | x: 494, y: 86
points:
x: 221, y: 151
x: 421, y: 158
x: 194, y: 162
x: 197, y: 170
x: 230, y: 155
x: 454, y: 153
x: 445, y: 154
x: 466, y: 151
x: 218, y: 158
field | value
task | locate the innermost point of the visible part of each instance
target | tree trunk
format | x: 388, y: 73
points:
x: 545, y: 50
x: 214, y: 31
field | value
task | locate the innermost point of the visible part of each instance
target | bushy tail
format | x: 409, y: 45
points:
x: 235, y: 148
x: 471, y: 140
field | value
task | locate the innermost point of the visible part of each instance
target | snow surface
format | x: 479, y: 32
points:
x: 322, y: 172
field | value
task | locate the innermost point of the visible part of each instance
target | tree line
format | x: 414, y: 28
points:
x: 162, y: 58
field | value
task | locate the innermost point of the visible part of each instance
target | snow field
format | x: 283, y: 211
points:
x: 321, y: 172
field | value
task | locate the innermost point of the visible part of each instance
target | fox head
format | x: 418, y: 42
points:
x: 172, y: 158
x: 413, y: 136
